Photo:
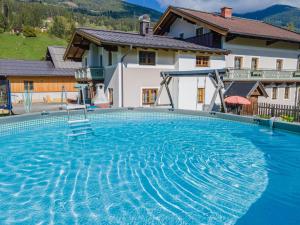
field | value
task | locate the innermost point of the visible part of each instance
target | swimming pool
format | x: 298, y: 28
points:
x: 148, y: 168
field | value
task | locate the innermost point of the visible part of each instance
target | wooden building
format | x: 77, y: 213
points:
x: 45, y: 79
x: 251, y: 90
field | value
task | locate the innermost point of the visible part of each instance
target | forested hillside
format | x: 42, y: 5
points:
x: 109, y: 14
x: 34, y: 24
x: 27, y: 27
x: 279, y: 15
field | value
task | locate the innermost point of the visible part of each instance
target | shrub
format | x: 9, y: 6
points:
x: 265, y: 116
x: 1, y: 30
x: 286, y: 118
x: 29, y: 31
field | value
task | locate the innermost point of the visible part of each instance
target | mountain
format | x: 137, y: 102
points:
x: 110, y: 8
x: 278, y: 15
x: 104, y: 14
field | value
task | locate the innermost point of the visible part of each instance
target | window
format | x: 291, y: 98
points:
x: 254, y: 64
x: 201, y: 95
x: 202, y: 61
x: 274, y: 92
x: 100, y: 61
x: 109, y: 58
x: 199, y: 31
x: 279, y: 64
x: 111, y: 96
x: 149, y: 96
x: 28, y: 85
x: 286, y: 92
x: 181, y: 35
x: 238, y: 62
x: 146, y: 58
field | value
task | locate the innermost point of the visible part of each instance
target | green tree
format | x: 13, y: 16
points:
x: 59, y: 26
x: 291, y: 26
x: 29, y: 31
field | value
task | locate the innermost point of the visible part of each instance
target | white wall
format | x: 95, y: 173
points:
x: 188, y: 93
x: 267, y: 55
x: 164, y: 59
x: 112, y: 80
x: 182, y: 26
x: 247, y: 48
x: 138, y: 76
x: 187, y: 61
x: 188, y: 86
x: 280, y: 95
x: 37, y: 97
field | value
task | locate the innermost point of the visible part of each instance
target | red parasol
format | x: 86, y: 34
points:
x: 237, y: 100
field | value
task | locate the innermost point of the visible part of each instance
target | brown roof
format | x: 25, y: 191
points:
x: 241, y: 26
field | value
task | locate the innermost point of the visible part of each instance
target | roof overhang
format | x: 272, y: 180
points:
x: 258, y: 86
x: 192, y: 73
x: 80, y: 43
x: 270, y: 40
x: 172, y: 13
x: 38, y: 75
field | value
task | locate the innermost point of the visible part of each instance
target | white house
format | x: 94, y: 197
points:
x: 130, y: 66
x: 258, y: 51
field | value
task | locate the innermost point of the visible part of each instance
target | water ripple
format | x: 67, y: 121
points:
x: 137, y: 169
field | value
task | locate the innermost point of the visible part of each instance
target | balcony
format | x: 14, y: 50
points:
x: 263, y: 75
x: 211, y: 39
x: 89, y: 74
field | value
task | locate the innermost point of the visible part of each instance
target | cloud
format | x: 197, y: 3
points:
x: 238, y: 5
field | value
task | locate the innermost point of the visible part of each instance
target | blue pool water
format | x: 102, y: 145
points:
x: 149, y: 168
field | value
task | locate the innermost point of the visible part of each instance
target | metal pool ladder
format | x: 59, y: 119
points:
x: 78, y: 126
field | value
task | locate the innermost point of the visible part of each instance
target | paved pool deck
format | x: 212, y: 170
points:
x: 18, y: 109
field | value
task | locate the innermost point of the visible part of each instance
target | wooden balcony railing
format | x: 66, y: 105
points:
x: 261, y: 74
x: 89, y: 74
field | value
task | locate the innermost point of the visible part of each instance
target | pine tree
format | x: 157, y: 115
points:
x: 291, y: 26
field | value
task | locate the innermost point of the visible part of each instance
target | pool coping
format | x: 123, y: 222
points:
x: 295, y: 128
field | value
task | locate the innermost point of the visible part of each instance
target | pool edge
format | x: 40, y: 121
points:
x: 295, y: 128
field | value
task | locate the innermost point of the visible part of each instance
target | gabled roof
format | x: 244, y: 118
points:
x: 245, y: 89
x: 118, y: 38
x: 56, y: 53
x: 226, y: 26
x: 31, y: 68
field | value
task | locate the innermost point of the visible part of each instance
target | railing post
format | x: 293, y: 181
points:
x: 273, y: 111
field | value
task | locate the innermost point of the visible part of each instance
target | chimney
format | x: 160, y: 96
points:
x: 145, y: 28
x: 226, y: 12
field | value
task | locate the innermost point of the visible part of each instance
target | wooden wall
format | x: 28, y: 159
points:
x: 43, y: 84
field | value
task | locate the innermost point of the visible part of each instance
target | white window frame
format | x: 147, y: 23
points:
x: 289, y: 93
x: 276, y: 97
x: 257, y: 66
x: 241, y: 62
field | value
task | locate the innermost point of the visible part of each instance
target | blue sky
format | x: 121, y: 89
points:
x: 215, y: 5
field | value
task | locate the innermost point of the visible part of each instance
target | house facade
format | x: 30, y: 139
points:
x: 258, y: 51
x: 131, y: 64
x: 44, y: 79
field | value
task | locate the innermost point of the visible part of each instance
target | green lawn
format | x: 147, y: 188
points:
x: 19, y: 47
